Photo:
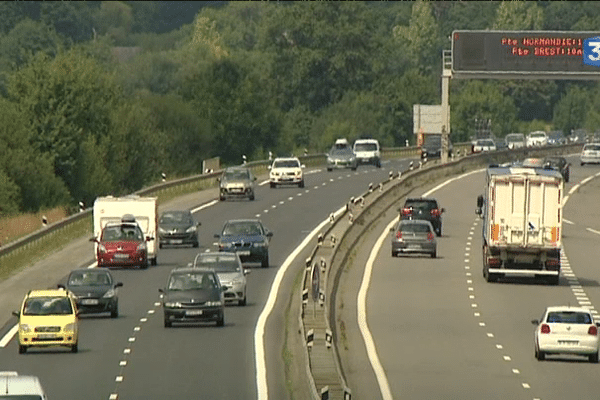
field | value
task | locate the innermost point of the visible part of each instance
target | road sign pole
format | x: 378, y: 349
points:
x: 446, y: 75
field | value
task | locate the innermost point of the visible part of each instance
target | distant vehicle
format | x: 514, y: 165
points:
x: 414, y: 236
x: 566, y: 330
x: 193, y: 295
x: 249, y: 238
x: 48, y: 318
x: 521, y: 210
x: 537, y: 138
x: 236, y: 182
x: 367, y: 151
x: 432, y: 146
x: 122, y: 244
x: 178, y: 227
x: 230, y: 271
x: 515, y: 140
x: 424, y: 209
x: 339, y: 158
x: 20, y: 387
x: 590, y: 154
x: 286, y: 171
x: 500, y: 144
x: 560, y: 164
x: 144, y: 211
x: 341, y: 144
x: 482, y: 145
x: 94, y: 290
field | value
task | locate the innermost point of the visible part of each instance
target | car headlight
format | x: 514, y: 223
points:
x: 260, y: 244
x: 25, y: 328
x: 191, y: 229
x: 213, y: 303
x: 237, y: 281
x: 110, y: 293
x: 173, y: 304
x: 141, y: 246
x: 69, y: 327
x: 101, y: 248
x: 161, y: 230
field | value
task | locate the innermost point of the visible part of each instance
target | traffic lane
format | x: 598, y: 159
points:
x: 258, y: 285
x: 422, y: 316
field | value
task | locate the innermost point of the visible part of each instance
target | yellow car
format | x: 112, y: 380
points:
x: 48, y: 318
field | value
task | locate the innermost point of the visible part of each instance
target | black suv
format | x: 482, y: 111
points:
x: 423, y: 208
x: 432, y: 146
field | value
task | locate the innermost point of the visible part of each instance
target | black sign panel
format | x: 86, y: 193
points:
x: 549, y: 54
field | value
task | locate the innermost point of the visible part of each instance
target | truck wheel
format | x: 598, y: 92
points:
x: 154, y: 262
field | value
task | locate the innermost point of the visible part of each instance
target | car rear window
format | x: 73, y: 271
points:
x: 365, y: 147
x: 420, y: 205
x: 415, y: 228
x: 591, y: 147
x: 569, y: 317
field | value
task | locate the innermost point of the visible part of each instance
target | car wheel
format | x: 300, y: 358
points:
x: 434, y: 254
x: 301, y: 184
x: 251, y: 197
x: 160, y: 246
x: 353, y: 168
x: 329, y: 169
x: 114, y: 313
x: 540, y: 355
x: 272, y: 185
x: 168, y: 323
x: 393, y: 254
x: 265, y: 262
x: 154, y: 261
x: 594, y: 358
x: 74, y: 348
x: 145, y: 265
x: 221, y: 198
x: 242, y: 302
x: 196, y: 244
x: 22, y: 349
x: 582, y: 163
x: 221, y: 320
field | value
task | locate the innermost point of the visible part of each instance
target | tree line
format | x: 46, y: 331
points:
x: 207, y: 79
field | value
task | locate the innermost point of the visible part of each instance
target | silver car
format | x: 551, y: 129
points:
x: 236, y: 182
x: 230, y: 271
x: 590, y: 154
x: 414, y: 236
x: 341, y: 158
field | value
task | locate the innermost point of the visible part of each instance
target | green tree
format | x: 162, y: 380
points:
x: 113, y: 19
x: 25, y: 40
x: 570, y: 111
x: 519, y: 15
x: 72, y: 20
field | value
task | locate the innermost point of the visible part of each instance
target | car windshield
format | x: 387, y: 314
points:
x: 569, y: 317
x: 122, y: 232
x: 242, y: 228
x: 591, y: 147
x: 514, y: 138
x: 192, y: 281
x: 415, y: 228
x: 365, y: 147
x: 219, y: 263
x: 339, y: 152
x: 175, y: 218
x: 286, y: 164
x: 237, y: 175
x: 486, y: 142
x: 89, y: 278
x: 432, y: 140
x: 47, y: 306
x: 538, y: 135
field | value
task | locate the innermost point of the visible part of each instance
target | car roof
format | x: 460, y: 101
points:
x: 48, y: 293
x: 242, y: 220
x: 366, y: 141
x: 421, y: 199
x: 286, y: 159
x: 186, y: 269
x: 415, y: 222
x: 98, y: 270
x: 341, y: 141
x: 112, y: 224
x: 12, y: 383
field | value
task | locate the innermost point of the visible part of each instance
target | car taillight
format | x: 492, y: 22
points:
x: 435, y: 212
x: 430, y: 236
x: 398, y: 235
x: 593, y: 330
x: 545, y: 328
x: 406, y: 211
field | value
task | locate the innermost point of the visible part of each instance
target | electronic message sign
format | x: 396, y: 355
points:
x: 526, y: 54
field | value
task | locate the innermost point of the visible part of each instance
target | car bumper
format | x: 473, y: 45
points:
x: 369, y: 160
x: 96, y: 306
x: 235, y: 292
x: 36, y: 339
x: 590, y: 160
x: 248, y: 254
x: 132, y: 260
x: 193, y: 314
x: 236, y: 192
x: 421, y: 247
x: 583, y: 346
x: 341, y: 165
x: 286, y: 180
x: 179, y: 239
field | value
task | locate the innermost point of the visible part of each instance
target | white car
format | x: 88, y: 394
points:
x: 286, y: 171
x: 481, y: 145
x: 537, y: 138
x: 515, y: 140
x: 590, y: 154
x: 566, y: 330
x: 367, y: 151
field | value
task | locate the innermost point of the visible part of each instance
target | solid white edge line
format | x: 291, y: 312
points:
x: 259, y: 332
x: 203, y: 206
x: 384, y: 386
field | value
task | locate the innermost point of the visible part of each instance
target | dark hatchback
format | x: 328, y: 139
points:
x: 193, y: 295
x: 177, y: 228
x: 560, y: 164
x: 95, y: 291
x: 423, y: 208
x: 432, y: 147
x: 249, y: 238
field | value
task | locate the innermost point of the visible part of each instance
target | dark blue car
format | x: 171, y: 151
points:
x: 248, y: 238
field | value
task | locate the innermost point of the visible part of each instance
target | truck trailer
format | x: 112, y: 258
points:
x: 521, y: 211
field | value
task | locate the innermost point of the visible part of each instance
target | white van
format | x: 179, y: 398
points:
x: 14, y: 386
x: 367, y: 151
x: 144, y: 210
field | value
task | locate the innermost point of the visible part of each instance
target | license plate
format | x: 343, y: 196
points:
x: 121, y: 256
x: 46, y: 336
x: 176, y: 241
x: 192, y: 313
x: 414, y: 247
x: 89, y: 302
x: 244, y: 253
x: 569, y: 342
x: 365, y: 159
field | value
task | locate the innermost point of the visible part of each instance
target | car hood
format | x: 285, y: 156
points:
x: 192, y: 296
x: 294, y: 170
x: 89, y: 291
x: 242, y: 238
x: 121, y: 245
x: 47, y: 320
x: 344, y: 156
x: 174, y: 227
x: 237, y: 182
x: 229, y: 276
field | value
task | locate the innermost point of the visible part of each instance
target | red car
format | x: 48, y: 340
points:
x: 122, y: 245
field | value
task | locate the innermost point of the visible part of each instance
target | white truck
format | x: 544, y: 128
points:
x: 522, y: 222
x: 144, y: 209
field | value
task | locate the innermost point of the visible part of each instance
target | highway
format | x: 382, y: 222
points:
x: 441, y: 332
x: 134, y: 356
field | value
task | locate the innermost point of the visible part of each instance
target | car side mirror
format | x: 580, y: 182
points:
x: 198, y: 223
x: 303, y: 166
x: 94, y: 240
x: 269, y: 234
x: 224, y: 288
x: 16, y: 313
x: 61, y: 286
x: 443, y: 210
x: 268, y: 166
x: 392, y: 229
x: 161, y: 290
x: 219, y: 180
x: 118, y: 284
x: 247, y: 271
x: 535, y: 322
x: 149, y: 238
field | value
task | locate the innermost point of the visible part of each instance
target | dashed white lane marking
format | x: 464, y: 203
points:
x: 566, y: 221
x: 203, y: 206
x: 593, y: 231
